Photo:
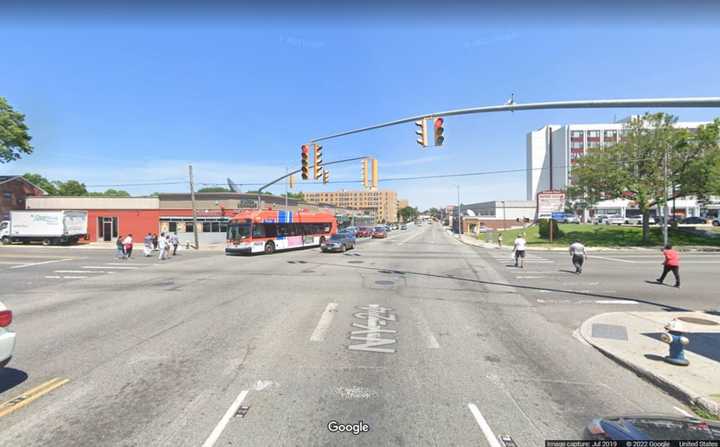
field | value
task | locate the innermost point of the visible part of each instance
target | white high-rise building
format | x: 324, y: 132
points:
x: 569, y: 142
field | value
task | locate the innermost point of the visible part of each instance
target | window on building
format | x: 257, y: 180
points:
x: 189, y: 227
x: 7, y: 196
x: 593, y: 134
x: 576, y: 134
x: 206, y: 227
x: 215, y: 227
x: 172, y: 226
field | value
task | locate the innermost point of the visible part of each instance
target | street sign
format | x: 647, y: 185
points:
x: 558, y: 215
x: 549, y: 202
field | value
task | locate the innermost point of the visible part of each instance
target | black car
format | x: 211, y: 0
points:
x: 649, y: 428
x: 693, y: 220
x: 338, y: 242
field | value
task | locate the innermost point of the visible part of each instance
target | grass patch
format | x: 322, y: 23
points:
x: 703, y: 413
x: 605, y: 236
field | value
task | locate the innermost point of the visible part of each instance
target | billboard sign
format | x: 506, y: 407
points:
x: 549, y: 202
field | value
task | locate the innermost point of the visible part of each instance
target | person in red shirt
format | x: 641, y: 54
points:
x: 670, y: 264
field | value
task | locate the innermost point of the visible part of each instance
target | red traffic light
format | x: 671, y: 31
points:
x: 439, y: 122
x: 305, y: 149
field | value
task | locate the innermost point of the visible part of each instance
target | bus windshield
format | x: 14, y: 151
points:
x: 238, y: 231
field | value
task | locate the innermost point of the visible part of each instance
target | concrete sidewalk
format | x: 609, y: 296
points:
x: 632, y: 339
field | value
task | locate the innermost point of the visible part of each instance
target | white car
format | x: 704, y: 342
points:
x: 638, y: 220
x: 614, y: 219
x: 7, y: 337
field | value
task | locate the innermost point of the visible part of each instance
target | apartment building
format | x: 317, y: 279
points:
x: 385, y: 203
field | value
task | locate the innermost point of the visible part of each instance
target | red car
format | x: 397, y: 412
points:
x: 364, y: 232
x: 379, y: 233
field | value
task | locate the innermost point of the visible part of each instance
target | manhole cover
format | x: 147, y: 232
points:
x: 385, y: 283
x: 355, y: 262
x: 698, y: 321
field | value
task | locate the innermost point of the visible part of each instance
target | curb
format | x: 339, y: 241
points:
x: 674, y: 389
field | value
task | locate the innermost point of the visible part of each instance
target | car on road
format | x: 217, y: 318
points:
x: 338, y: 242
x: 599, y: 218
x: 716, y: 222
x: 7, y: 336
x: 403, y: 227
x: 652, y: 428
x: 570, y: 219
x: 379, y: 233
x: 351, y: 230
x: 693, y: 220
x: 614, y: 219
x: 364, y: 232
x: 348, y: 235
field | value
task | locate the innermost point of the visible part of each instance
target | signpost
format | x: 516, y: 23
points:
x: 549, y: 204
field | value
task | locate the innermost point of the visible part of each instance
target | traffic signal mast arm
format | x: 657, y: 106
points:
x: 346, y: 160
x: 713, y: 101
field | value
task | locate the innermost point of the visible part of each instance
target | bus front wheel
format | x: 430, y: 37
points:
x: 269, y: 247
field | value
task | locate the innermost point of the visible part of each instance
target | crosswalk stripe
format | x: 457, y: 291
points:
x: 108, y: 267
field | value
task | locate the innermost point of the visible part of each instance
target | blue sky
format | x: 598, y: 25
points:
x: 122, y: 103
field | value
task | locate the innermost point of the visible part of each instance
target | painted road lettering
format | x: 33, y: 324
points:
x: 376, y: 317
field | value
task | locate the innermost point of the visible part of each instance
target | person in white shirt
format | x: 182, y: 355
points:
x: 519, y: 249
x: 175, y: 242
x: 163, y: 246
x: 128, y: 245
x: 577, y: 251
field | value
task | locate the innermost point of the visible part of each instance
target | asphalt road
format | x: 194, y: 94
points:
x: 426, y: 340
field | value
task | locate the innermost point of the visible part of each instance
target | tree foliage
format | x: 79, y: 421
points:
x: 70, y: 187
x: 14, y: 136
x: 634, y: 167
x: 41, y: 182
x: 110, y: 193
x: 408, y: 213
x: 213, y: 189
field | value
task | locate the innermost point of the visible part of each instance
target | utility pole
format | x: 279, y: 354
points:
x: 194, y: 212
x: 286, y: 189
x: 459, y: 211
x: 665, y: 205
x: 504, y: 220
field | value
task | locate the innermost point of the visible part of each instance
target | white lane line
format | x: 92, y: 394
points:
x: 52, y: 277
x: 117, y: 263
x: 411, y: 237
x: 430, y: 340
x: 217, y: 431
x: 324, y: 323
x: 529, y: 277
x: 40, y: 263
x: 79, y: 271
x: 108, y: 267
x: 608, y: 258
x: 683, y: 412
x: 74, y: 277
x: 487, y: 431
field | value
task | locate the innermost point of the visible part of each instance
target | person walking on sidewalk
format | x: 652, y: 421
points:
x: 163, y: 246
x: 578, y: 254
x: 670, y: 264
x: 519, y: 249
x: 175, y: 242
x: 120, y: 247
x: 148, y: 245
x: 128, y: 244
x: 499, y: 240
x: 155, y: 241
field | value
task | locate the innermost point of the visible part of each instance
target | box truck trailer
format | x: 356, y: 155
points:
x: 48, y: 227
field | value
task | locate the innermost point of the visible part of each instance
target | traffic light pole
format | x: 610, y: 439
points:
x: 713, y: 101
x: 346, y: 160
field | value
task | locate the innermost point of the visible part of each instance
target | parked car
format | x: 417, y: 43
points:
x: 7, y: 336
x: 570, y: 219
x: 598, y: 219
x: 403, y: 227
x: 716, y: 222
x: 614, y: 219
x: 351, y: 230
x: 364, y: 232
x: 638, y: 220
x: 379, y: 233
x: 649, y: 428
x: 693, y: 220
x: 348, y: 234
x: 338, y: 242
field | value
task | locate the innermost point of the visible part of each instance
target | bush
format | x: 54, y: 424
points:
x: 544, y: 229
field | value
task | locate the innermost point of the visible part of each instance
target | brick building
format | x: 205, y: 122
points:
x: 14, y: 190
x: 385, y: 203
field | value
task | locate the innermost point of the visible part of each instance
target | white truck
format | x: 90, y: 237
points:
x: 48, y: 227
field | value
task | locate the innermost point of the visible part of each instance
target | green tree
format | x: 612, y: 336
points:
x: 295, y: 195
x: 407, y: 214
x: 264, y: 192
x: 41, y: 182
x: 110, y: 193
x: 14, y: 136
x: 634, y: 168
x: 213, y: 189
x: 70, y: 188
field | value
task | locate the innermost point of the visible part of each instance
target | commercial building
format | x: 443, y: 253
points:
x: 497, y: 214
x: 385, y: 203
x: 109, y: 217
x: 569, y: 142
x: 14, y: 191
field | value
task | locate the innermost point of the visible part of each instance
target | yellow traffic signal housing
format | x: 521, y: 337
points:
x: 439, y: 130
x: 374, y: 173
x: 305, y: 161
x: 365, y: 173
x: 325, y: 176
x: 317, y: 162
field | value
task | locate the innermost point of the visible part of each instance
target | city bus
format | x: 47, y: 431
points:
x: 266, y: 231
